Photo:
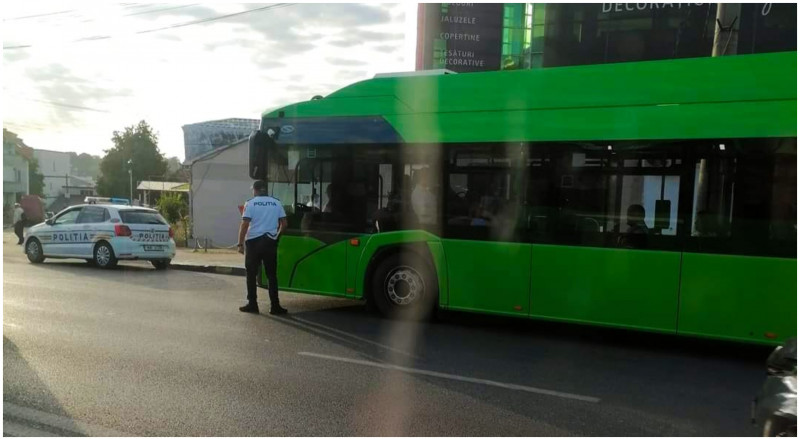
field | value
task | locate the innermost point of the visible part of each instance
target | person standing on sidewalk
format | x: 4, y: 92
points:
x: 19, y: 222
x: 263, y: 220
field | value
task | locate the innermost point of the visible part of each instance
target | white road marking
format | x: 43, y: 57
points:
x: 60, y: 422
x: 454, y: 377
x: 15, y: 429
x: 347, y: 334
x: 11, y: 325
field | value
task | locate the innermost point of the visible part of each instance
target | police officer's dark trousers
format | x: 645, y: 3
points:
x: 18, y: 230
x: 257, y: 251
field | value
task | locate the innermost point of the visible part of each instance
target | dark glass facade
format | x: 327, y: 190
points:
x: 535, y: 35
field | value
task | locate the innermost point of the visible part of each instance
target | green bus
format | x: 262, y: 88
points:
x: 657, y: 196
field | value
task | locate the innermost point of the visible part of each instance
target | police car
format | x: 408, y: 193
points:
x: 103, y: 235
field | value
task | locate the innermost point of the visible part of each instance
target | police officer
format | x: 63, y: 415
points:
x: 263, y: 220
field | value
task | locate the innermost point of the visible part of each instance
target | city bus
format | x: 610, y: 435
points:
x: 656, y: 196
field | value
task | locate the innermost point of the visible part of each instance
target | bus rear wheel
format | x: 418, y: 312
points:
x: 404, y: 287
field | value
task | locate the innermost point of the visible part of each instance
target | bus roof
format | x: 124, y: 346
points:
x: 732, y: 96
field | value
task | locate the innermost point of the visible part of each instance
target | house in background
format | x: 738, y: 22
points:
x: 151, y: 191
x: 203, y: 137
x: 219, y: 185
x: 59, y: 181
x: 16, y: 168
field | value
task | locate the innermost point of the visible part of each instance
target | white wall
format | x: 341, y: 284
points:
x: 219, y: 185
x: 54, y: 165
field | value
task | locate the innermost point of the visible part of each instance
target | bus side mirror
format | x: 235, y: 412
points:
x: 259, y: 146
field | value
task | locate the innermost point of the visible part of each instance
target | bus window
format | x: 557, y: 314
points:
x: 596, y: 194
x: 745, y: 198
x: 482, y: 199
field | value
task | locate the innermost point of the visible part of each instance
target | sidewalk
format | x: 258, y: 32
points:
x: 214, y: 261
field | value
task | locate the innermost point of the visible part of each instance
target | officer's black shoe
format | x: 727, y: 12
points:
x: 277, y: 310
x: 251, y: 307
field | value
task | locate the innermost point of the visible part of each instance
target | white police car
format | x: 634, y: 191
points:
x: 103, y: 234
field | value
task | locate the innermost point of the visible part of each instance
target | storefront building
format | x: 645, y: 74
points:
x: 471, y: 37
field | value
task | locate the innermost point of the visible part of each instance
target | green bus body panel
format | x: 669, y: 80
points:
x: 651, y: 100
x: 489, y: 276
x: 290, y: 250
x: 730, y: 120
x: 628, y: 288
x: 738, y: 297
x: 322, y: 272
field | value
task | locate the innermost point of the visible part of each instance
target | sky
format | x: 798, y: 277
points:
x: 74, y: 72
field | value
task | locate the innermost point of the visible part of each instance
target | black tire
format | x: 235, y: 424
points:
x: 404, y: 286
x: 34, y: 251
x: 104, y: 255
x: 161, y: 264
x: 776, y: 426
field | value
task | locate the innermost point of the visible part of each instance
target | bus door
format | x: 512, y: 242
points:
x: 488, y: 265
x: 369, y: 189
x: 603, y: 220
x: 313, y: 252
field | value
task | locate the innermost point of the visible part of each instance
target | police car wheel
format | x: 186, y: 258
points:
x: 104, y: 255
x: 404, y: 287
x: 34, y: 251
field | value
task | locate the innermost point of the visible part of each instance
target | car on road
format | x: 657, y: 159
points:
x: 103, y: 235
x: 775, y: 407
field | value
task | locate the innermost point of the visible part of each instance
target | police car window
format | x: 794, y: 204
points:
x: 141, y: 217
x: 92, y: 215
x: 68, y: 217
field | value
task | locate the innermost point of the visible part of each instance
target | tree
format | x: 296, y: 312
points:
x: 138, y: 144
x: 85, y: 165
x: 176, y: 171
x: 172, y: 206
x: 35, y: 178
x: 12, y: 142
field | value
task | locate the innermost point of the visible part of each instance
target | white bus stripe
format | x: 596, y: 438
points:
x: 347, y: 334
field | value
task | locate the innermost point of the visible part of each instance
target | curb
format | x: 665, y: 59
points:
x: 216, y: 269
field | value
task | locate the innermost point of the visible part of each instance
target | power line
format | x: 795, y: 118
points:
x: 221, y: 17
x: 174, y: 26
x: 160, y: 10
x: 46, y: 14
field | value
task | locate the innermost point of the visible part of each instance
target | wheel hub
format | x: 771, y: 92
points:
x: 33, y: 249
x: 103, y: 255
x: 404, y: 286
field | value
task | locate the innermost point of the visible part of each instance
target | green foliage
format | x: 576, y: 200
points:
x: 35, y: 178
x: 173, y: 207
x: 176, y: 171
x: 140, y: 145
x: 85, y: 165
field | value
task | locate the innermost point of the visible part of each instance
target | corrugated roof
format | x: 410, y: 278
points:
x: 164, y: 186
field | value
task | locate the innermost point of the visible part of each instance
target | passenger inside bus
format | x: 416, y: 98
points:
x: 635, y: 235
x: 423, y: 199
x: 706, y: 224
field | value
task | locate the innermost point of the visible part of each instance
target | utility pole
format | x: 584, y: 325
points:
x: 726, y: 41
x: 130, y: 175
x: 726, y: 30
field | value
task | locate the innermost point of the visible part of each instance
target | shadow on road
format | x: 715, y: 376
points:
x: 702, y: 387
x: 20, y: 382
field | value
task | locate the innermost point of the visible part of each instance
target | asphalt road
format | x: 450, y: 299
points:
x: 138, y: 352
